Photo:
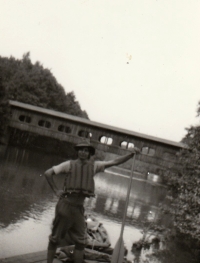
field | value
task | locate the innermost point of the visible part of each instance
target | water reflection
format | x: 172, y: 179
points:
x: 111, y: 196
x: 27, y: 202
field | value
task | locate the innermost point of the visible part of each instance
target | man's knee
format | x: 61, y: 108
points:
x: 52, y: 245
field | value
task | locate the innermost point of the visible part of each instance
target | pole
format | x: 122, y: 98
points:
x: 118, y: 251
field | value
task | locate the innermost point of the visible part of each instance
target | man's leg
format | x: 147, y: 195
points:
x: 50, y: 255
x: 78, y: 255
x: 51, y: 252
x: 59, y: 228
x: 80, y: 234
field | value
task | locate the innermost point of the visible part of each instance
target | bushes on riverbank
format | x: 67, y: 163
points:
x: 180, y: 241
x: 183, y: 202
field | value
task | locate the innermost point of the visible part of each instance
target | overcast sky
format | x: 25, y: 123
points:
x: 131, y: 64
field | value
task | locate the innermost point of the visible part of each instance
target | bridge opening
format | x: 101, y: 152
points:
x: 106, y: 140
x: 24, y: 118
x: 127, y: 145
x: 63, y: 128
x: 148, y: 151
x: 85, y: 134
x: 44, y: 123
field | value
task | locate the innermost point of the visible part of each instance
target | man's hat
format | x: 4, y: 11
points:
x: 85, y: 145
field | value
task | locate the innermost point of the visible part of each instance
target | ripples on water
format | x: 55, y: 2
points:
x: 27, y: 203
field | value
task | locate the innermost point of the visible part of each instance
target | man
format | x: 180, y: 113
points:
x: 79, y: 184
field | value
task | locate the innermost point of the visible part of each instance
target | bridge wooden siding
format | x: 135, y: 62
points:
x: 157, y: 154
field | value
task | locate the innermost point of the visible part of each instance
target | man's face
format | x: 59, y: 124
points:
x: 83, y: 153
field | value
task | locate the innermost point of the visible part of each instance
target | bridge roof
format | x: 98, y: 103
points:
x: 93, y: 123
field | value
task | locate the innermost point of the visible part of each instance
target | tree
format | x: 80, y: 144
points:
x: 4, y: 112
x: 73, y: 106
x: 185, y: 187
x: 183, y: 199
x: 181, y: 238
x: 31, y: 83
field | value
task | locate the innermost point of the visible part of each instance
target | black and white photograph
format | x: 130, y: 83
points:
x: 99, y: 131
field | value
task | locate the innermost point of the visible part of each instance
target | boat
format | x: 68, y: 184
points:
x: 98, y: 247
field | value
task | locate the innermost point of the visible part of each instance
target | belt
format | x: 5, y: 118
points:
x: 72, y: 204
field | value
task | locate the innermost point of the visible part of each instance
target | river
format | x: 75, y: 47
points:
x: 27, y: 203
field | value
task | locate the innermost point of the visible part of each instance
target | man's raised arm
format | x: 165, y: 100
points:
x: 121, y: 159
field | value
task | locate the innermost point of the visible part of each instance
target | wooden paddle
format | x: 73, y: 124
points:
x: 118, y: 251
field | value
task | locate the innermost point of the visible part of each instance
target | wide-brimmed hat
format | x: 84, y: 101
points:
x: 85, y: 145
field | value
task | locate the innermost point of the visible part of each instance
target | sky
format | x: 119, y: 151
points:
x: 131, y: 64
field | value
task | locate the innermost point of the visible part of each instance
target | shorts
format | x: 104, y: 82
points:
x: 69, y: 219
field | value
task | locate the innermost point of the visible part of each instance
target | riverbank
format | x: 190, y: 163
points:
x: 37, y: 257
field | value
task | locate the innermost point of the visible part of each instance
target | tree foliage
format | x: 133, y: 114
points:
x: 185, y: 187
x: 33, y: 84
x: 183, y: 200
x: 180, y: 238
x: 4, y: 112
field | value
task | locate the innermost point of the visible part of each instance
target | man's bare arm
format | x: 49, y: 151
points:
x: 49, y: 176
x: 122, y: 159
x: 119, y: 160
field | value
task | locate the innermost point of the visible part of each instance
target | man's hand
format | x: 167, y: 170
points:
x: 59, y: 193
x: 136, y: 150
